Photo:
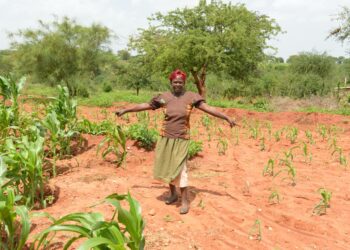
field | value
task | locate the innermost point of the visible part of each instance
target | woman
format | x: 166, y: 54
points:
x: 172, y: 146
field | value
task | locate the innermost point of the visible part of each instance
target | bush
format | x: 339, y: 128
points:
x: 194, y: 148
x: 107, y: 88
x: 146, y: 138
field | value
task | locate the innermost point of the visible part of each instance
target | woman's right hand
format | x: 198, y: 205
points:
x: 120, y: 112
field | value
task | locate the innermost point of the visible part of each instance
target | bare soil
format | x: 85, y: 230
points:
x: 228, y: 192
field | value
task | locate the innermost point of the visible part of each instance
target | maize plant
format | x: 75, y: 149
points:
x: 342, y: 159
x: 206, y: 122
x: 13, y: 232
x: 322, y: 131
x: 321, y: 207
x: 255, y: 232
x: 262, y: 144
x: 95, y: 232
x: 293, y: 135
x: 10, y: 90
x: 307, y: 154
x: 65, y: 108
x: 116, y: 144
x: 274, y: 197
x: 222, y: 146
x: 277, y: 135
x: 59, y: 139
x: 291, y: 172
x: 269, y: 169
x: 24, y: 159
x: 309, y: 136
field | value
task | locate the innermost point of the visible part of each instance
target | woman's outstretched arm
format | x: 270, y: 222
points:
x: 212, y: 111
x: 136, y: 108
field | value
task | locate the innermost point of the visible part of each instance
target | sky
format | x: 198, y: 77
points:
x: 306, y: 23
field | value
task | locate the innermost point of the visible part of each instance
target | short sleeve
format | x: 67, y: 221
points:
x: 157, y: 102
x: 197, y: 100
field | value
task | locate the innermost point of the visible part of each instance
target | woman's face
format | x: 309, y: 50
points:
x: 178, y: 85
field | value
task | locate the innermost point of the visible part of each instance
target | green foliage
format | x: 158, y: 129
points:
x: 116, y: 144
x: 98, y: 233
x: 293, y: 134
x: 14, y: 232
x: 218, y: 37
x: 321, y: 207
x: 10, y: 90
x: 194, y: 148
x: 309, y: 136
x: 145, y: 137
x: 24, y: 160
x: 61, y: 51
x: 342, y: 32
x: 65, y: 108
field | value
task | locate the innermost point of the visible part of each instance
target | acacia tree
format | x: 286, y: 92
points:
x: 342, y: 32
x: 214, y: 36
x: 61, y: 50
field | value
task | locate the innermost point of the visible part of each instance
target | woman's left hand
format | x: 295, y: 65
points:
x: 232, y: 122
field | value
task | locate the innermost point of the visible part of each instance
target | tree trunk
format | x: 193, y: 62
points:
x: 137, y: 91
x: 199, y: 80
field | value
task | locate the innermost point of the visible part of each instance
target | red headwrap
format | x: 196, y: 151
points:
x: 177, y: 73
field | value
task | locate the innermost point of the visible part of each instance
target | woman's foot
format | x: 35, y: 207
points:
x: 171, y: 199
x: 184, y: 209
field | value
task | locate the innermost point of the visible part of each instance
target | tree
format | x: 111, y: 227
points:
x: 320, y: 65
x: 6, y: 64
x: 134, y: 74
x: 61, y: 51
x: 216, y: 37
x: 342, y: 32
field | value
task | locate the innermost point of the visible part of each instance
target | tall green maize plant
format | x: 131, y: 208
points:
x: 65, y: 107
x: 13, y: 233
x: 98, y: 233
x: 10, y: 90
x: 25, y: 168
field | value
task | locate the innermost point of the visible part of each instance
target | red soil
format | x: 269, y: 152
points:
x: 228, y: 192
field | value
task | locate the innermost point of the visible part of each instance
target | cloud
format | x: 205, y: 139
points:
x: 305, y: 22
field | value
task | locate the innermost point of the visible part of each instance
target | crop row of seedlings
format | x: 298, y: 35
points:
x: 30, y: 145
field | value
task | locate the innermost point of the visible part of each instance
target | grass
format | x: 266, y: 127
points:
x: 103, y: 99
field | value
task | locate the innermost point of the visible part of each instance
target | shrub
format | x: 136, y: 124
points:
x: 146, y: 138
x: 194, y: 148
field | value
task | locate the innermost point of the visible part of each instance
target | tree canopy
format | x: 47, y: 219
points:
x: 215, y: 36
x: 61, y: 50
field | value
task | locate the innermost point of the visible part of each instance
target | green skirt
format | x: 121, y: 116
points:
x: 171, y: 156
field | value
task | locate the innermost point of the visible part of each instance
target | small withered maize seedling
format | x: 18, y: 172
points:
x: 293, y: 134
x: 269, y: 169
x: 255, y: 232
x: 262, y: 144
x: 321, y: 207
x: 222, y: 146
x: 277, y: 135
x: 206, y: 122
x: 333, y: 144
x: 254, y: 131
x: 274, y: 197
x: 322, y: 131
x: 309, y: 136
x: 307, y: 154
x: 291, y: 172
x: 342, y: 159
x: 268, y: 126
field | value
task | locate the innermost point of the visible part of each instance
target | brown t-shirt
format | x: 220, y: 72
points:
x: 177, y: 111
